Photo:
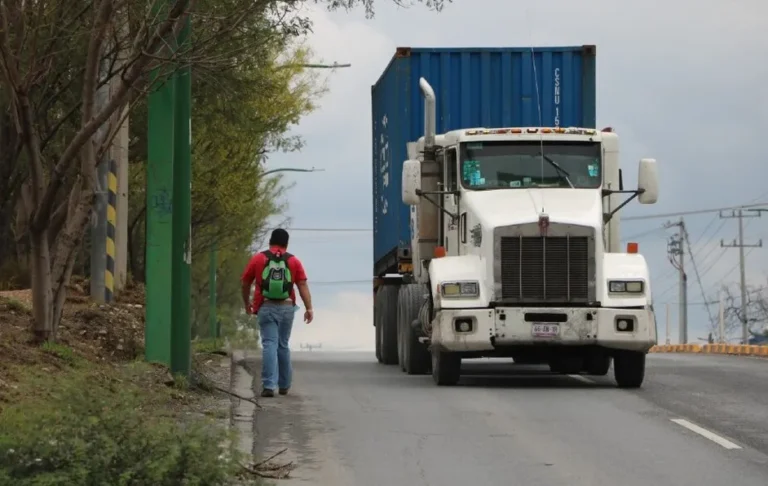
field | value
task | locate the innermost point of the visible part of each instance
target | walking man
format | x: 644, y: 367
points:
x: 275, y: 271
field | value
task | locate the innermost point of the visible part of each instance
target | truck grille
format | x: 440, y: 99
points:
x: 552, y: 269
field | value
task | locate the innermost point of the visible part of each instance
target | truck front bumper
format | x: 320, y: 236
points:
x: 514, y: 326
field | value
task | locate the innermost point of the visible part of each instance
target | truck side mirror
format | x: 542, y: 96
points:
x: 648, y: 182
x: 411, y: 182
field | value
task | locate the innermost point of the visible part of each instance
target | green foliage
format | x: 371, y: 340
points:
x: 238, y: 118
x: 64, y: 353
x: 96, y: 428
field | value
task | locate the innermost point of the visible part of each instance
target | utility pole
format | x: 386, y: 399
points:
x: 740, y: 245
x: 676, y: 253
x: 721, y: 320
x: 181, y: 325
x: 161, y: 119
x: 98, y: 267
x: 119, y: 151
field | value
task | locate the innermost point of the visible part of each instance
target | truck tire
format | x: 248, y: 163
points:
x: 415, y: 358
x: 376, y: 326
x: 597, y: 364
x: 388, y: 324
x: 629, y: 369
x: 446, y: 368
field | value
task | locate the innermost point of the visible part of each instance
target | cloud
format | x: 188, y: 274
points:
x: 343, y: 323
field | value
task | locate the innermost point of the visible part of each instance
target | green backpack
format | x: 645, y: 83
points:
x: 276, y: 279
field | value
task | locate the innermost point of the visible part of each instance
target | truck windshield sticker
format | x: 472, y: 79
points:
x: 594, y: 170
x: 514, y: 184
x: 471, y: 173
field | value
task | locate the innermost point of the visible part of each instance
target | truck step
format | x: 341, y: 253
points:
x: 424, y: 340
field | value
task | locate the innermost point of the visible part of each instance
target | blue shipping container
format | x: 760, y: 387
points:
x: 474, y: 87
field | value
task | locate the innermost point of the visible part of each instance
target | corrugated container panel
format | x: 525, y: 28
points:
x: 474, y: 87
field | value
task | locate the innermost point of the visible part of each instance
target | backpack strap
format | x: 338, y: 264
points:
x: 283, y: 255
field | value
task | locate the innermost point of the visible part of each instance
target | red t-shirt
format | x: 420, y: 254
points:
x: 255, y: 268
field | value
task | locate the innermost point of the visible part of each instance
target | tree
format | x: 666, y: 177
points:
x: 757, y: 312
x: 436, y: 5
x: 54, y: 57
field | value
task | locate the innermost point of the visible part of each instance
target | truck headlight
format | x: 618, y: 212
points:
x: 464, y: 288
x: 626, y: 286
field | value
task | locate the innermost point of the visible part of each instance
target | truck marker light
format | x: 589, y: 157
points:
x: 439, y: 252
x: 632, y: 247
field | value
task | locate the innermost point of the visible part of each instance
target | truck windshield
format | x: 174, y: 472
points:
x: 503, y: 165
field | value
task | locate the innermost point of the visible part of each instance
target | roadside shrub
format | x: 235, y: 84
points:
x: 93, y: 428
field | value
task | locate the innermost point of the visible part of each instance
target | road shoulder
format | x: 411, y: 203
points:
x: 292, y: 427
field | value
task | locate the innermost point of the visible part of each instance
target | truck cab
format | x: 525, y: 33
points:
x: 516, y: 240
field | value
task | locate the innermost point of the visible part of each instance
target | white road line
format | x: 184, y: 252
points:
x: 583, y: 379
x: 706, y: 433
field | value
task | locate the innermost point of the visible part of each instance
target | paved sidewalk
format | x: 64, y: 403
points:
x: 292, y: 424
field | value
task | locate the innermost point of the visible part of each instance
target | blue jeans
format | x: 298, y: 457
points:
x: 275, y: 323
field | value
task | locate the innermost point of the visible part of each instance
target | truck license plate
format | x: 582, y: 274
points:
x: 545, y: 330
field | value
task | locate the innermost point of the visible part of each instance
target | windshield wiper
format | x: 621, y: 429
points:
x: 565, y: 175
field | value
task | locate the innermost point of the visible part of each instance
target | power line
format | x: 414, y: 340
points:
x: 689, y: 213
x: 644, y: 233
x: 715, y: 302
x: 696, y: 270
x: 631, y: 218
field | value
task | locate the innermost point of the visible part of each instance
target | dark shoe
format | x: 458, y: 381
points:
x: 284, y: 391
x: 267, y: 393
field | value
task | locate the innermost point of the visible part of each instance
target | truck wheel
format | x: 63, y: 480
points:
x: 377, y: 325
x: 446, y: 368
x: 388, y: 324
x: 597, y: 364
x: 629, y: 369
x: 400, y: 331
x: 415, y: 357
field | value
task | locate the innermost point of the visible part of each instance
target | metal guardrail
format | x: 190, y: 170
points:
x: 725, y: 349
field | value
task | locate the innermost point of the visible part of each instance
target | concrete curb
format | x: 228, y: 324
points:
x: 241, y: 412
x: 724, y: 349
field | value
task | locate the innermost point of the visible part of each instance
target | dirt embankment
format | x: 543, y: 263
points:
x: 98, y: 333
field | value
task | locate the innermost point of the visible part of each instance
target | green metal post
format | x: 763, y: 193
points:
x: 212, y: 289
x: 181, y: 332
x: 160, y: 162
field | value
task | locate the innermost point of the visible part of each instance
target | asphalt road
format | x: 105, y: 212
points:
x: 351, y: 421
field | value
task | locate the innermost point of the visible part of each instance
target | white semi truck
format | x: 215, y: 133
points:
x: 516, y: 252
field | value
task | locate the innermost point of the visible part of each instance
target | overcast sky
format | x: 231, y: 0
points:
x: 679, y: 83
